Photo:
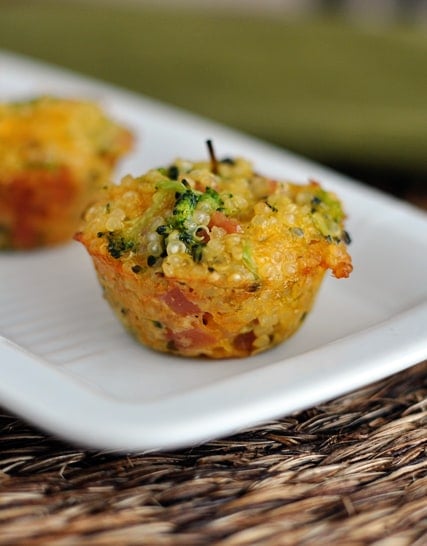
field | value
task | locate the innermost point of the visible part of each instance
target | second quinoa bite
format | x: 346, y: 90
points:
x: 211, y: 258
x: 55, y: 154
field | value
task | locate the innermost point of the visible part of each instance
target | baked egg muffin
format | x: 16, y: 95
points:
x: 55, y: 154
x: 211, y: 258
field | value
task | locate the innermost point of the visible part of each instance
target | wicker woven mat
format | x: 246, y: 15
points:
x: 352, y: 472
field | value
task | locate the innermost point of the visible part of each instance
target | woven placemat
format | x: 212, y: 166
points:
x: 352, y: 471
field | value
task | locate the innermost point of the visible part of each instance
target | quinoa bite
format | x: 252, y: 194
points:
x: 54, y: 156
x: 211, y: 258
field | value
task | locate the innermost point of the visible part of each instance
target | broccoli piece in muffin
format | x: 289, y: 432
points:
x: 185, y: 227
x: 118, y: 244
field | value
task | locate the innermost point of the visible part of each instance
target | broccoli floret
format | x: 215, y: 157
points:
x: 181, y: 219
x: 186, y: 202
x: 185, y: 205
x: 118, y: 245
x: 178, y: 197
x: 213, y: 198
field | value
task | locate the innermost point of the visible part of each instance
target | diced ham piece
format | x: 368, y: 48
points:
x: 193, y: 337
x: 230, y: 225
x: 177, y: 301
x: 244, y: 342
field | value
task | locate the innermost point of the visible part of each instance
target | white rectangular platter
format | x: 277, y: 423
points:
x: 68, y: 367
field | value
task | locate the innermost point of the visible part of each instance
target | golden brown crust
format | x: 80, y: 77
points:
x: 196, y: 319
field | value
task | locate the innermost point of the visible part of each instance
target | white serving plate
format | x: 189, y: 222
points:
x: 68, y: 367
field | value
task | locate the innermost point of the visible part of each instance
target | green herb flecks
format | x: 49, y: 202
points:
x: 248, y: 259
x: 327, y: 214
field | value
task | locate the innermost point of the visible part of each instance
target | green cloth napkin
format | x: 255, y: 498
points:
x: 320, y: 86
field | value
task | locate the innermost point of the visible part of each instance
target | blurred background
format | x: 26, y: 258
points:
x: 343, y: 82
